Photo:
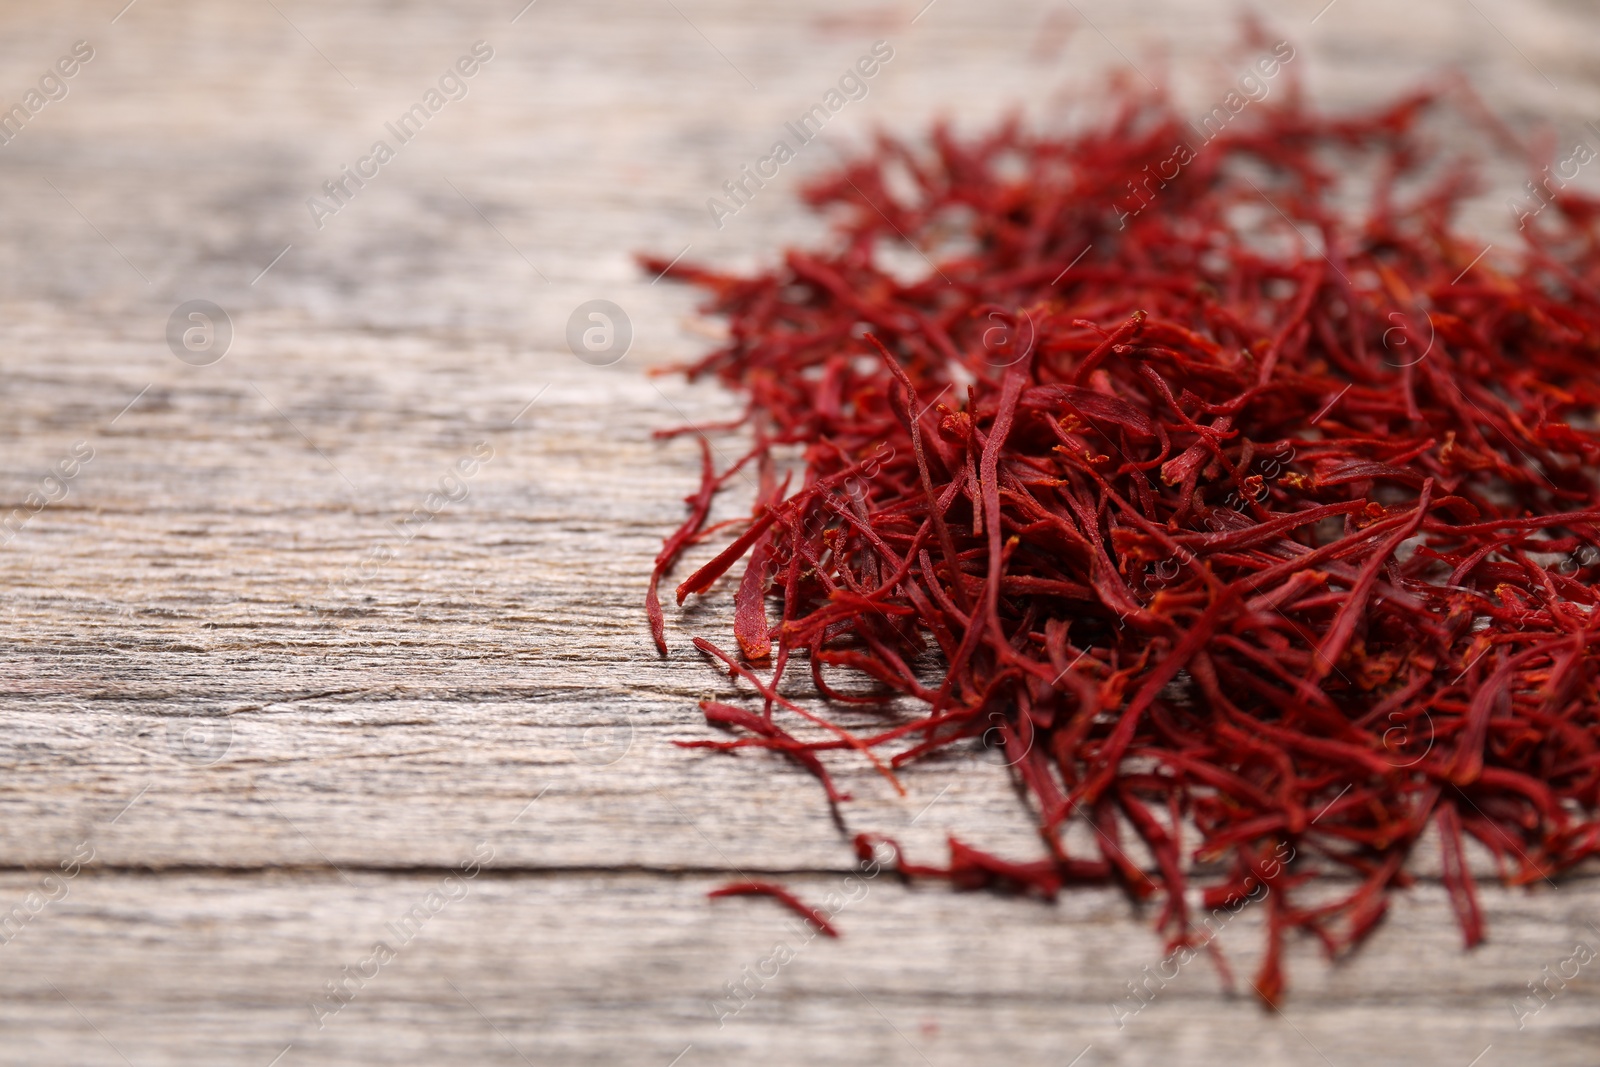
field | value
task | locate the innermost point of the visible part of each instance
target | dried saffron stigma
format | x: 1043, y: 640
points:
x: 1258, y: 529
x: 782, y: 896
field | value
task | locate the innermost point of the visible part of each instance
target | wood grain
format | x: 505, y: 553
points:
x: 275, y: 747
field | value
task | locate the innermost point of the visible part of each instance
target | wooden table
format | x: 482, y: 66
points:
x: 266, y: 699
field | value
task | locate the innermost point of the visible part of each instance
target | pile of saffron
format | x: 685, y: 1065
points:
x: 1255, y: 520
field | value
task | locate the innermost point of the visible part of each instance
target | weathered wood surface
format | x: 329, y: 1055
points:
x: 270, y: 765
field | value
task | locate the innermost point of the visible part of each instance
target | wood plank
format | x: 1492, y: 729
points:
x: 631, y: 968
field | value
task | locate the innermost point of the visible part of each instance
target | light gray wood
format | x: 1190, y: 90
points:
x: 606, y: 968
x: 270, y: 764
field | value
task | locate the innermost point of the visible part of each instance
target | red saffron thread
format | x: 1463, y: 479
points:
x: 782, y: 896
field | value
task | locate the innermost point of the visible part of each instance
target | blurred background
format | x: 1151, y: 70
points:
x: 322, y: 628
